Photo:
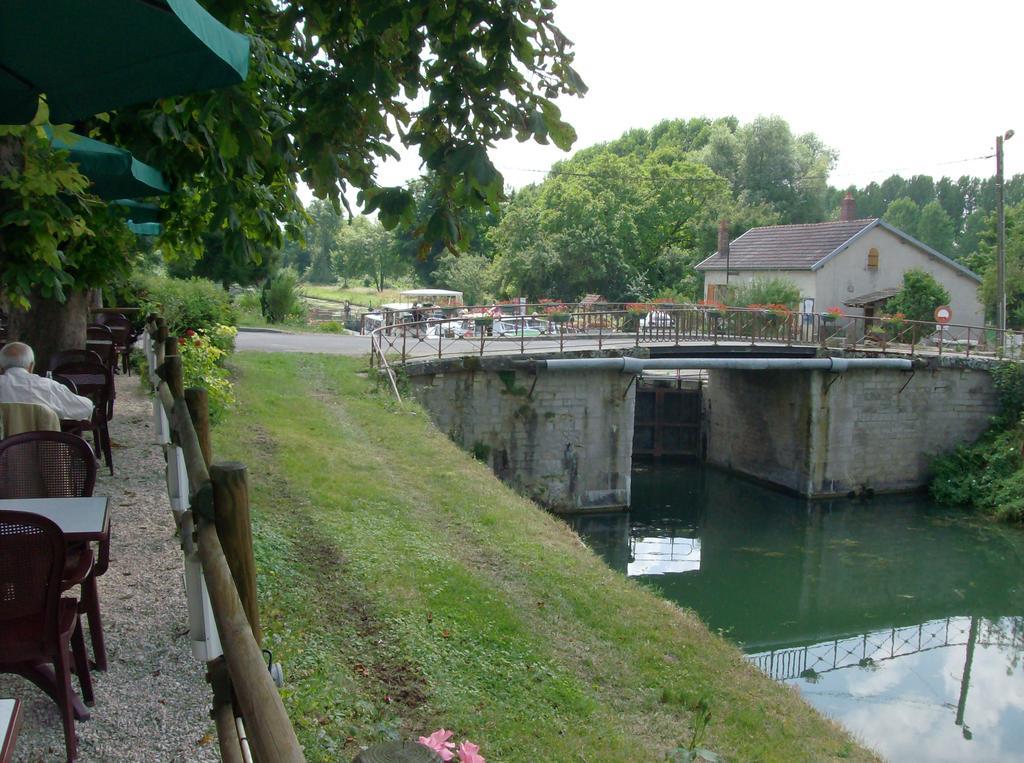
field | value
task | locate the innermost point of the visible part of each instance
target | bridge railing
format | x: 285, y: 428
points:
x: 402, y: 339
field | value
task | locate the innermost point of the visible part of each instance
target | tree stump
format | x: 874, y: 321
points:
x: 398, y: 752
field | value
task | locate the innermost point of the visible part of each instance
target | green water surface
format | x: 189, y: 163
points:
x: 901, y: 619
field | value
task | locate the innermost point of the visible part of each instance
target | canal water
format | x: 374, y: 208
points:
x: 902, y: 620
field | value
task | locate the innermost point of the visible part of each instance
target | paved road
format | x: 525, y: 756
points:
x: 280, y: 341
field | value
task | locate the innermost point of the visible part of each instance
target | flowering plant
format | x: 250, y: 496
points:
x: 637, y: 308
x: 438, y: 742
x: 894, y: 322
x: 201, y: 366
x: 832, y: 313
x: 557, y: 311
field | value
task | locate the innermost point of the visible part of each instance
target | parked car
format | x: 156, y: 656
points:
x: 656, y: 319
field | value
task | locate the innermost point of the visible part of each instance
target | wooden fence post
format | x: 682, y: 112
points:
x: 234, y: 528
x: 198, y: 402
x: 172, y: 362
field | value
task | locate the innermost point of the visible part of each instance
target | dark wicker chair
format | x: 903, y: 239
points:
x: 37, y: 625
x: 100, y: 339
x: 61, y: 357
x: 61, y: 465
x: 124, y: 336
x: 96, y: 382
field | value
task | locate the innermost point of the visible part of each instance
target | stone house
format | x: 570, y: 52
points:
x: 854, y: 264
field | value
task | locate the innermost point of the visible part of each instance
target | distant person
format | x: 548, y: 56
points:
x: 19, y: 385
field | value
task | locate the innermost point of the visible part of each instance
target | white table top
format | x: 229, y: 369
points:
x: 7, y: 723
x: 78, y: 518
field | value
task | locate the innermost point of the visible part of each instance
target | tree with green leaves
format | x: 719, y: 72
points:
x: 919, y: 297
x: 935, y: 228
x: 329, y: 88
x: 366, y: 248
x: 903, y: 214
x: 1014, y: 266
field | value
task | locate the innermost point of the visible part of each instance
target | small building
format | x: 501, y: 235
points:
x: 855, y: 264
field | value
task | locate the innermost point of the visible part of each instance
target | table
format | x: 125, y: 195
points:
x: 10, y: 720
x: 80, y: 519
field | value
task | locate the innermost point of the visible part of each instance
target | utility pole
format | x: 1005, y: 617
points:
x: 1000, y: 236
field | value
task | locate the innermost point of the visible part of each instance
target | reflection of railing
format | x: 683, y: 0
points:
x: 614, y: 328
x: 870, y: 648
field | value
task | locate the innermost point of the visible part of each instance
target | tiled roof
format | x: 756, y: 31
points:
x: 786, y: 247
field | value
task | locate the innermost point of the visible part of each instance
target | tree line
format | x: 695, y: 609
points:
x: 629, y: 219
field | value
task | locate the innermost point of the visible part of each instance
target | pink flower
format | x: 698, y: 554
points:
x: 469, y: 753
x: 438, y: 742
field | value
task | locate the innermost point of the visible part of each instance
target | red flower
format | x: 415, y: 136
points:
x: 189, y: 332
x: 181, y: 340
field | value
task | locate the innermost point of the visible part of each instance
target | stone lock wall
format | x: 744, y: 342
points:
x: 821, y: 434
x: 562, y: 439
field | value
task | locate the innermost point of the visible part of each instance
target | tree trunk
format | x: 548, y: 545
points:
x: 49, y: 325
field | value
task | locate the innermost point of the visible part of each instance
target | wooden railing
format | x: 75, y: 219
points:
x: 612, y: 327
x: 211, y: 506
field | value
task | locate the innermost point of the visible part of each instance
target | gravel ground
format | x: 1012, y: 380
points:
x: 153, y: 703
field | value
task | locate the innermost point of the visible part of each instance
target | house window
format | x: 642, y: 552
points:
x: 872, y: 258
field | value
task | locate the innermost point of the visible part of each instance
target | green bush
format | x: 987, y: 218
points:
x: 330, y: 327
x: 193, y: 303
x: 989, y: 475
x: 765, y: 291
x: 280, y: 296
x: 919, y: 297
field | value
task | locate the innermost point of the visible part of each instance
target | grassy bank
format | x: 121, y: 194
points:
x: 405, y: 589
x: 357, y: 295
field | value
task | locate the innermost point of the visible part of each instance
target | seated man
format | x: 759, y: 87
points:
x: 19, y: 385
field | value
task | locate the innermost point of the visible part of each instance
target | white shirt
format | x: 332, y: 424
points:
x: 17, y: 385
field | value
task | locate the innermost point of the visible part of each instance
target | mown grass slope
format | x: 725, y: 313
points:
x: 404, y: 588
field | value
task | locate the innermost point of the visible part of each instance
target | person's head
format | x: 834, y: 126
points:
x: 17, y: 355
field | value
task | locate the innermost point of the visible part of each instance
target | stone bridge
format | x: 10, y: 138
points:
x: 565, y: 438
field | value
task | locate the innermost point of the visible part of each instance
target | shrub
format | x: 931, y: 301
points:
x: 330, y: 327
x: 765, y: 291
x: 919, y: 297
x: 193, y: 303
x: 249, y: 301
x: 280, y: 296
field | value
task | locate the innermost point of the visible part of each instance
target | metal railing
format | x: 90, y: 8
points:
x: 211, y: 507
x: 612, y: 327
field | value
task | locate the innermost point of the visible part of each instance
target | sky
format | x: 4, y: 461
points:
x: 901, y: 87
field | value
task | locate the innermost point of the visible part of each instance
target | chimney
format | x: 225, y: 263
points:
x: 723, y: 238
x: 848, y: 208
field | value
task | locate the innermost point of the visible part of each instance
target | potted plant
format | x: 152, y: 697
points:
x: 558, y: 313
x: 832, y: 314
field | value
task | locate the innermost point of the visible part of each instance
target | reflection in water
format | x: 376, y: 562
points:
x: 902, y: 620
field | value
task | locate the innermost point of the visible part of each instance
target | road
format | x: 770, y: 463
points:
x: 280, y: 341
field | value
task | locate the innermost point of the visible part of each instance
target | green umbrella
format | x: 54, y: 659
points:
x: 114, y: 172
x: 89, y: 56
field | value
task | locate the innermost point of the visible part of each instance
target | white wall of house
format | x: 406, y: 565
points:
x: 847, y: 275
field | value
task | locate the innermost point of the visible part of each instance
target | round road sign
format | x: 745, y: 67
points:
x: 943, y: 314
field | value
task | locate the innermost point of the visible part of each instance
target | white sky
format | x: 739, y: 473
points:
x: 901, y: 86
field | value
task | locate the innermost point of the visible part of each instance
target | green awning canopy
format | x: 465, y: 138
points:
x: 145, y: 229
x: 114, y: 172
x: 139, y: 212
x: 89, y: 56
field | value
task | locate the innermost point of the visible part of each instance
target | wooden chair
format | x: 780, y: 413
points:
x: 37, y: 625
x: 61, y: 465
x: 96, y: 382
